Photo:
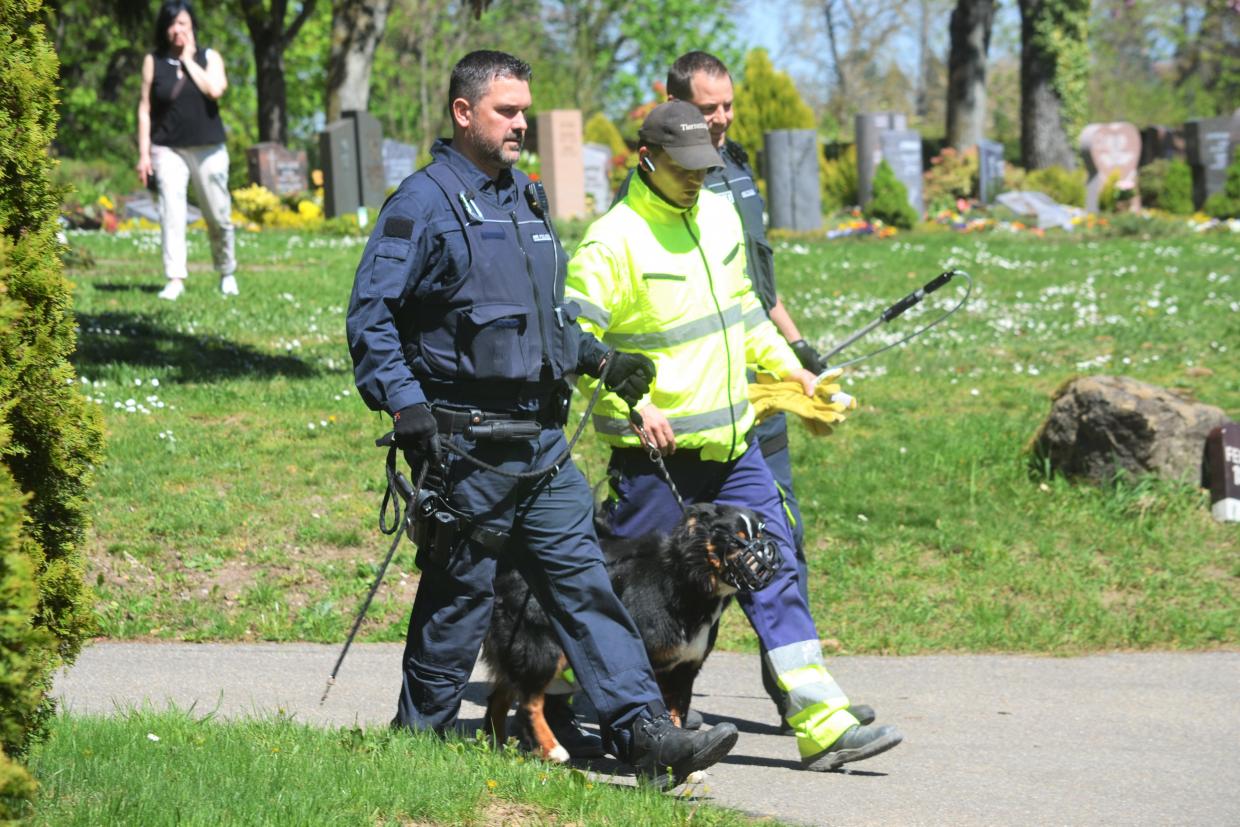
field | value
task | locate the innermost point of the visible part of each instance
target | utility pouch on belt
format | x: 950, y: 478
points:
x: 558, y: 403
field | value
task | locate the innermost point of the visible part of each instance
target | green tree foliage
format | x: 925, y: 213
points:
x: 839, y: 181
x: 50, y: 437
x: 766, y: 99
x: 1067, y: 186
x: 1226, y: 204
x: 1167, y: 185
x: 890, y: 202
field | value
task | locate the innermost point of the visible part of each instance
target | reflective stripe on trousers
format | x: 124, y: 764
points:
x: 817, y: 707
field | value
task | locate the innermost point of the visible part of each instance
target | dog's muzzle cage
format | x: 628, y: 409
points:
x: 753, y: 563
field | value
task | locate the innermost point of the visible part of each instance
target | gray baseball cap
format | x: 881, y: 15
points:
x: 680, y: 129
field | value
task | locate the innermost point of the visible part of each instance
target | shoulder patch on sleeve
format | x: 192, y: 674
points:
x: 398, y: 227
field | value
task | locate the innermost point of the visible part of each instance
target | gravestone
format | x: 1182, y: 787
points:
x: 279, y: 170
x: 596, y: 162
x: 989, y: 170
x: 1208, y: 147
x: 794, y: 197
x: 369, y: 137
x: 399, y: 162
x: 901, y: 148
x: 869, y: 126
x: 338, y: 154
x: 560, y: 156
x: 1221, y: 472
x: 1109, y: 148
x: 1160, y: 142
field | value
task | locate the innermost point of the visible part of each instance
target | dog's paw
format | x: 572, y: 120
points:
x: 559, y: 755
x: 696, y: 777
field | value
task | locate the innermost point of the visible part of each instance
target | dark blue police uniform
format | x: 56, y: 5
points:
x: 458, y: 302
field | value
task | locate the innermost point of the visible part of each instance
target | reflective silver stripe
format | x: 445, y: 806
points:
x: 678, y: 335
x: 680, y: 424
x: 812, y: 694
x: 593, y: 312
x: 795, y: 655
x: 755, y: 317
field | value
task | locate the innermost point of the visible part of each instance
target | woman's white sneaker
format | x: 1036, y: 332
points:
x: 228, y: 286
x: 173, y: 289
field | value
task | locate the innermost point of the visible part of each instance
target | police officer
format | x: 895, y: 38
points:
x: 664, y: 271
x: 457, y: 320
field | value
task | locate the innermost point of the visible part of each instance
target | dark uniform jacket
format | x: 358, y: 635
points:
x: 458, y: 297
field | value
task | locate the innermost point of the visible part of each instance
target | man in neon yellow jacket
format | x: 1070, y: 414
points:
x: 663, y: 273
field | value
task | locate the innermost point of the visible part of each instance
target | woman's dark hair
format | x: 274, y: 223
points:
x: 167, y: 13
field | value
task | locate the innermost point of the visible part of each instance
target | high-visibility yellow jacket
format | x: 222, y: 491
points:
x: 670, y: 282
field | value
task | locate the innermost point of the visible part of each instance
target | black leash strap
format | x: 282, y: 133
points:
x: 656, y: 456
x: 398, y: 488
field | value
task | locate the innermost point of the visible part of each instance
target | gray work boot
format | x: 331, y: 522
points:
x: 864, y: 715
x: 566, y: 728
x: 664, y: 754
x: 856, y: 744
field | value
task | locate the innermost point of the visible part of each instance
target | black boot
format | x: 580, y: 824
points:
x: 566, y: 728
x: 856, y: 744
x: 665, y: 755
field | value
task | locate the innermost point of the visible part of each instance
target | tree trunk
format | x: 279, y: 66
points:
x: 1043, y: 138
x: 272, y: 100
x: 357, y: 28
x: 971, y: 24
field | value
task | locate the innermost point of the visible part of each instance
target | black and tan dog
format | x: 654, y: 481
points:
x: 674, y: 586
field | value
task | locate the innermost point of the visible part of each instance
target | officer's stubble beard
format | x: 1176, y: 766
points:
x: 496, y: 153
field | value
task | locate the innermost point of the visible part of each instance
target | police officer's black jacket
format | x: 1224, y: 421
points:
x: 459, y: 295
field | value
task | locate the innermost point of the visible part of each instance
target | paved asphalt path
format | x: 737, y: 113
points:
x: 989, y: 740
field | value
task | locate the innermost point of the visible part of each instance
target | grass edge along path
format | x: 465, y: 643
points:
x: 143, y: 768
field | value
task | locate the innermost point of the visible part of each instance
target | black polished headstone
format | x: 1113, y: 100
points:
x: 369, y: 137
x: 1221, y: 472
x: 338, y: 153
x: 794, y: 195
x: 1208, y: 147
x: 989, y: 170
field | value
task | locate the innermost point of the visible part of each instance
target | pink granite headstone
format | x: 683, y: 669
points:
x: 1109, y: 148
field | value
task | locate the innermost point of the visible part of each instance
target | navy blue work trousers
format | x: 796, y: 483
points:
x: 552, y: 542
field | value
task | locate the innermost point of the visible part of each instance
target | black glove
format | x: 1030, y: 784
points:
x: 414, y: 429
x: 809, y: 358
x: 629, y: 376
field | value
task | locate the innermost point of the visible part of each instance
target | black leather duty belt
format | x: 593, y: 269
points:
x: 455, y: 421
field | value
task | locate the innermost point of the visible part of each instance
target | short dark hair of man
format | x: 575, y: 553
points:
x: 680, y: 76
x: 163, y: 21
x: 472, y: 75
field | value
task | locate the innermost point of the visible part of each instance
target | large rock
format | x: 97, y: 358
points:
x: 1099, y: 425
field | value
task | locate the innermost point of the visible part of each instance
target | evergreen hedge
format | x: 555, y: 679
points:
x: 50, y: 437
x: 889, y: 202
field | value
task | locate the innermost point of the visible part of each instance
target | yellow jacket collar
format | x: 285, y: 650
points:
x: 655, y: 208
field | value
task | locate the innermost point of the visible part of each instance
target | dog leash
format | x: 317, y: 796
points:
x: 656, y: 456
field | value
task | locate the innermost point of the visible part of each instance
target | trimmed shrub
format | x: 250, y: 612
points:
x: 952, y: 175
x: 1226, y: 204
x: 1166, y: 185
x: 890, y: 202
x: 50, y: 437
x: 600, y: 130
x: 1067, y: 186
x: 839, y: 181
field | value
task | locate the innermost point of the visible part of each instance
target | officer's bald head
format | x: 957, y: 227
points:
x: 473, y: 74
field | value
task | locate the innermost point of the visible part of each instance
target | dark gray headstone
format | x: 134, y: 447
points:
x: 1160, y: 142
x: 794, y: 196
x: 1208, y: 147
x: 989, y: 170
x: 338, y: 153
x: 869, y: 126
x: 399, y: 162
x: 901, y: 148
x: 279, y: 170
x: 596, y: 158
x: 369, y: 137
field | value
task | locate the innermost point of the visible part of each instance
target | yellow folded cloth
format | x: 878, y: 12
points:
x: 819, y: 412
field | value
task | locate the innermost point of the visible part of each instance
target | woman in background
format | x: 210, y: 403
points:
x: 181, y: 138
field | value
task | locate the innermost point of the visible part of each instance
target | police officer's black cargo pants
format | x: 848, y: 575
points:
x: 553, y: 544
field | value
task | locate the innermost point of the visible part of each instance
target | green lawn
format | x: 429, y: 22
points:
x: 144, y: 769
x: 239, y: 497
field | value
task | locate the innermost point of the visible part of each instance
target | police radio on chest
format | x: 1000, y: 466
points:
x: 536, y: 197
